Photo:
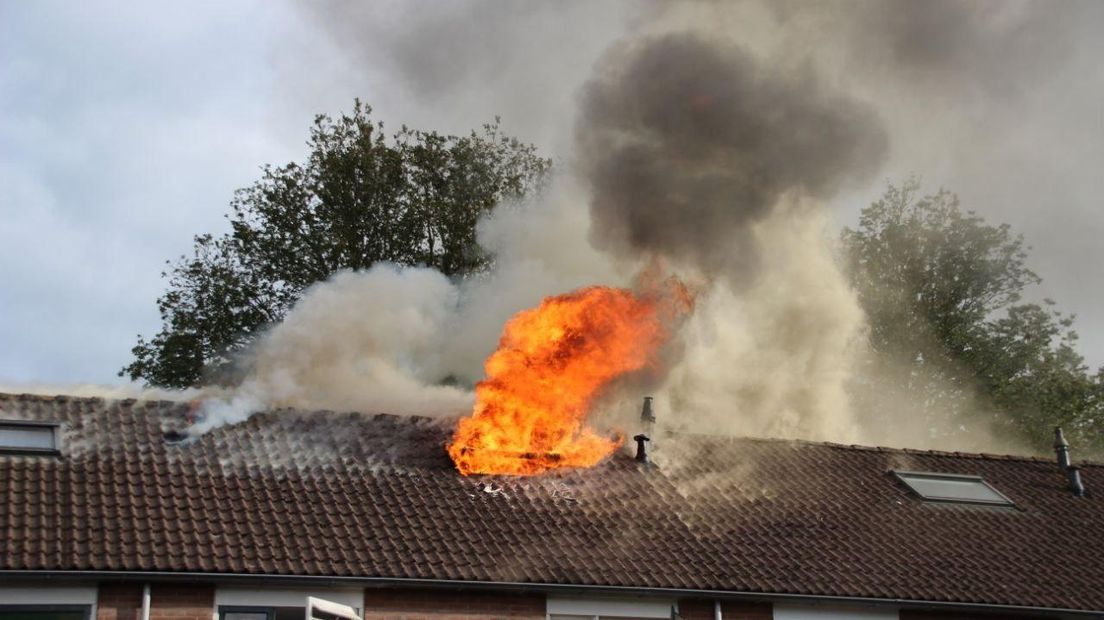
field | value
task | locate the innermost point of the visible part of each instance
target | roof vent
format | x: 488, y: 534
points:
x: 646, y: 414
x: 1073, y: 472
x: 1061, y: 448
x: 642, y: 447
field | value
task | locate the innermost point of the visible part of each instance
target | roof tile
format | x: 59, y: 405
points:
x: 300, y: 493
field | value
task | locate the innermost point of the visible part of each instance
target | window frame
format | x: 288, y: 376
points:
x: 55, y: 428
x: 270, y: 612
x: 610, y: 608
x: 274, y: 598
x: 902, y: 477
x: 331, y: 608
x: 26, y: 607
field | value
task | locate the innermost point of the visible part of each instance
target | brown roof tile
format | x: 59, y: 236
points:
x: 297, y: 493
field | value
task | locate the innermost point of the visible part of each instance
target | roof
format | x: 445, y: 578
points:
x: 325, y: 494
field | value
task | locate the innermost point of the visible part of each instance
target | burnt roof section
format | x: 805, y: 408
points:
x: 326, y: 494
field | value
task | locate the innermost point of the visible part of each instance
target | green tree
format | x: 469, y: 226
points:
x: 942, y: 290
x: 359, y: 198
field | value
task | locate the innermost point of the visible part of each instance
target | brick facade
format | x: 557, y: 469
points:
x: 702, y: 609
x: 123, y: 601
x: 182, y: 602
x: 404, y: 604
x: 119, y: 601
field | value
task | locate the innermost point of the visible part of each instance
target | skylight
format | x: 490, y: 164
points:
x: 952, y: 488
x: 22, y: 437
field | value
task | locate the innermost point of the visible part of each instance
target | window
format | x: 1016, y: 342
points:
x: 821, y: 612
x: 262, y: 613
x: 319, y: 609
x: 258, y: 613
x: 613, y: 609
x: 288, y: 604
x: 19, y: 437
x: 37, y: 602
x: 952, y: 488
x: 315, y: 609
x: 43, y: 612
x: 598, y: 617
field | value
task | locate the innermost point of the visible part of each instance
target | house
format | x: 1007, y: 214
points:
x: 110, y: 511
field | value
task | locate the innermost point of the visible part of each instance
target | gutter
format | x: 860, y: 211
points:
x: 384, y: 582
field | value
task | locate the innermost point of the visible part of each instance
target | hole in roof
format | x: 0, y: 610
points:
x: 19, y: 437
x: 174, y: 436
x: 952, y: 488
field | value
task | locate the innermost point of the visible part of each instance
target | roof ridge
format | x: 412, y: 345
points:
x: 46, y: 398
x: 26, y: 396
x: 282, y: 409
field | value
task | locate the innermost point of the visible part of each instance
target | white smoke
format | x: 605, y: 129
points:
x: 122, y: 391
x: 775, y: 359
x: 408, y: 340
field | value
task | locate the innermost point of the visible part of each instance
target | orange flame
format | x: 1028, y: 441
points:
x: 551, y: 363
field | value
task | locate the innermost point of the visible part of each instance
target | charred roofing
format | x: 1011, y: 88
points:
x: 291, y: 493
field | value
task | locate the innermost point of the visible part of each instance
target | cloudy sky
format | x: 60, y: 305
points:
x: 125, y: 127
x: 123, y: 130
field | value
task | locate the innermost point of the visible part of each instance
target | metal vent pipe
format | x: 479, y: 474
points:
x: 1073, y: 472
x: 1061, y: 448
x: 641, y: 447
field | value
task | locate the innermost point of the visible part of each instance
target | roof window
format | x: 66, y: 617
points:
x: 22, y: 437
x: 952, y: 488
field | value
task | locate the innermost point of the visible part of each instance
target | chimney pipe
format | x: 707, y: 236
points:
x: 646, y: 414
x: 1061, y: 448
x: 641, y: 448
x: 1073, y: 472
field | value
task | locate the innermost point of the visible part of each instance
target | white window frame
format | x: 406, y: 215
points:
x: 345, y: 612
x: 825, y: 612
x: 261, y: 598
x: 46, y: 598
x: 610, y: 607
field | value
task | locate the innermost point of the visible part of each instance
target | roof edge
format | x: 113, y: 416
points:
x: 540, y: 587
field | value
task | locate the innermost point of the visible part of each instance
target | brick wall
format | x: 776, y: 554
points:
x: 403, y: 604
x: 702, y: 609
x: 119, y: 601
x: 123, y: 601
x: 182, y: 602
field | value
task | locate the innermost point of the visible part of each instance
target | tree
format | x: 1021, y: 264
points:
x: 942, y: 290
x: 358, y: 199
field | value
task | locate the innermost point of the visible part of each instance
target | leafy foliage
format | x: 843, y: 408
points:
x: 359, y: 198
x: 942, y: 290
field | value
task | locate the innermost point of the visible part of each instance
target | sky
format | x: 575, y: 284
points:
x: 126, y: 127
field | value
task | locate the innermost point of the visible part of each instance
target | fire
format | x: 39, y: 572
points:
x: 552, y: 362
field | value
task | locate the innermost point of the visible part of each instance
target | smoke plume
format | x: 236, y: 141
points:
x: 686, y: 143
x: 410, y: 341
x: 732, y: 162
x: 697, y: 153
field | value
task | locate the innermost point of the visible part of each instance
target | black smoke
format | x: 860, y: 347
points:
x: 686, y: 142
